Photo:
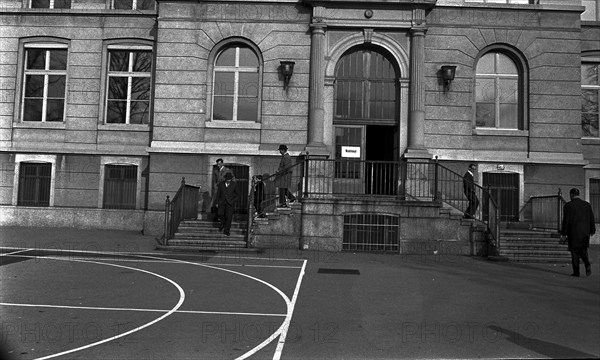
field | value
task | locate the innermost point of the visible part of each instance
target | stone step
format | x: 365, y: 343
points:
x: 208, y: 243
x: 194, y: 248
x: 541, y: 259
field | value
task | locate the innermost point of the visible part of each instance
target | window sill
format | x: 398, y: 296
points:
x: 124, y: 127
x: 226, y: 124
x: 39, y: 125
x: 590, y: 141
x: 101, y: 10
x: 500, y: 132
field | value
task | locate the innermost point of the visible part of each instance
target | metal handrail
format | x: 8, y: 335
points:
x: 544, y: 211
x: 183, y: 206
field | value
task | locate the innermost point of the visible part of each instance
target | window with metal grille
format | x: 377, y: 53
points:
x: 370, y: 232
x: 595, y: 198
x: 34, y: 184
x: 120, y: 186
x: 133, y: 4
x: 50, y: 4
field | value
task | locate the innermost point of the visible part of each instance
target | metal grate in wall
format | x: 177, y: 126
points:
x: 370, y: 233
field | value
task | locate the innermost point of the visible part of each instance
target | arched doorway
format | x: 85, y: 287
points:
x: 366, y: 119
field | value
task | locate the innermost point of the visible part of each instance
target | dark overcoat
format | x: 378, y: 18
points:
x: 284, y: 172
x: 578, y: 223
x: 227, y: 194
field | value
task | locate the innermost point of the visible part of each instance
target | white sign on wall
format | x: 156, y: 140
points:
x: 351, y: 152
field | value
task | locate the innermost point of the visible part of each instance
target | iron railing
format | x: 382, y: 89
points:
x: 405, y: 180
x: 544, y: 212
x: 183, y: 206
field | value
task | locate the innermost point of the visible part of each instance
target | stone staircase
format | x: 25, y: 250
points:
x: 532, y: 246
x: 204, y: 235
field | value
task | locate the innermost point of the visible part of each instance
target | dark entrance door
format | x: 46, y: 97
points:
x: 381, y: 174
x: 505, y: 189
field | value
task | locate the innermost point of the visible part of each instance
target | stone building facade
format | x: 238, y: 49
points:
x: 110, y: 103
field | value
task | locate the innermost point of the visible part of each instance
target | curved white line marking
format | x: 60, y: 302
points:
x: 290, y: 308
x: 181, y: 299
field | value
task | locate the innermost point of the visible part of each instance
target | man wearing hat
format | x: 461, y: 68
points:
x: 227, y: 195
x: 283, y: 179
x: 577, y: 227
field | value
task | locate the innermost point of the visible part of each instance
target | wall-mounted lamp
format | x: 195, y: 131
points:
x: 448, y: 72
x: 287, y: 70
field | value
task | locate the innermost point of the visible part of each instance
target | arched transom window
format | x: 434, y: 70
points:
x: 236, y: 84
x: 498, y: 97
x: 365, y: 87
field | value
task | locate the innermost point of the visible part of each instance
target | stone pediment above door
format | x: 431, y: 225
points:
x: 370, y: 13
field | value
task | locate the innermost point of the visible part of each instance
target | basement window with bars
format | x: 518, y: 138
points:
x: 371, y: 232
x: 120, y: 187
x: 50, y: 4
x: 34, y: 184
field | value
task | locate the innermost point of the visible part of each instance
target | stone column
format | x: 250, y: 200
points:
x: 416, y: 119
x: 316, y: 117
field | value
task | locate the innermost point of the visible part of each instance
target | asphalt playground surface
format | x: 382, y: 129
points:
x: 91, y: 294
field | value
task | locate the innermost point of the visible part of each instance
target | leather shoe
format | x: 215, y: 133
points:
x: 227, y: 233
x: 588, y: 271
x: 576, y: 275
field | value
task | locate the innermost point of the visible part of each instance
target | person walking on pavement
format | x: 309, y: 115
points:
x: 470, y: 192
x: 227, y: 195
x: 577, y: 227
x: 283, y: 179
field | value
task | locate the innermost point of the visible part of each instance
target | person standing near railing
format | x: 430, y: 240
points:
x: 227, y: 195
x: 470, y: 192
x: 283, y: 177
x: 259, y: 195
x: 577, y: 227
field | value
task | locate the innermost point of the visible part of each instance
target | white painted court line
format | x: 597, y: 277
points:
x: 290, y: 308
x: 156, y: 254
x: 168, y: 261
x: 16, y: 252
x: 140, y: 310
x: 170, y: 312
x: 288, y: 318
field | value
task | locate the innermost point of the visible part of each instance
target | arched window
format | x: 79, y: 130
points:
x: 365, y: 86
x: 236, y: 84
x: 499, y: 95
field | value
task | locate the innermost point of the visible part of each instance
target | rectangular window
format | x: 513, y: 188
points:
x: 34, y: 184
x: 133, y: 4
x: 50, y: 4
x: 128, y: 86
x: 45, y: 80
x: 120, y: 187
x: 590, y: 95
x: 595, y: 198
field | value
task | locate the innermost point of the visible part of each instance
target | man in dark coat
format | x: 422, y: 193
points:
x: 227, y: 195
x: 259, y: 195
x: 470, y: 192
x: 283, y: 179
x: 577, y: 226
